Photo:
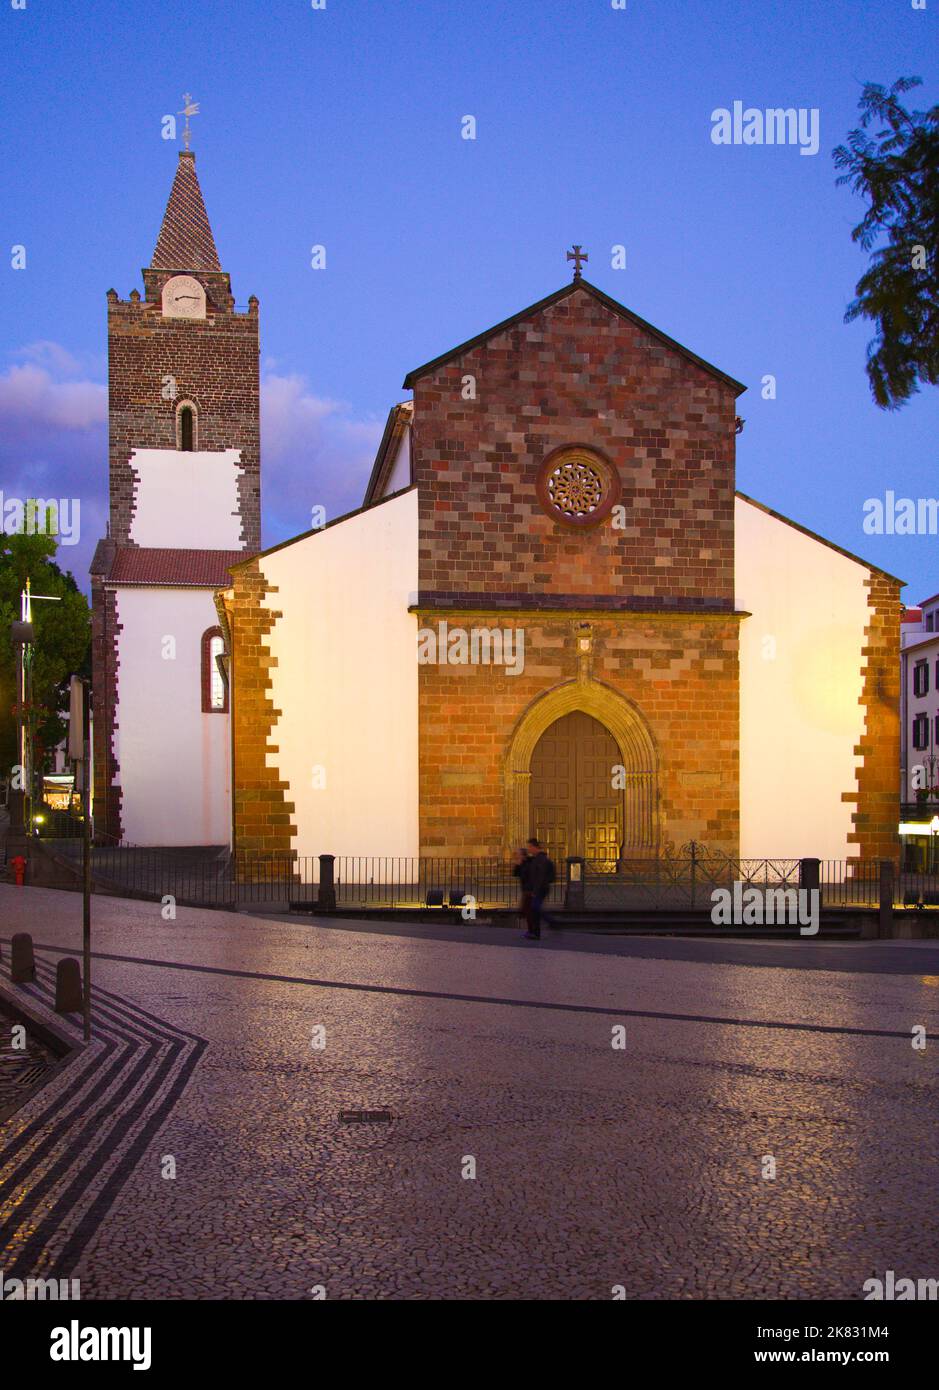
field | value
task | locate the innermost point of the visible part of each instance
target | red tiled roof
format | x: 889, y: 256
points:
x: 185, y: 241
x: 207, y: 569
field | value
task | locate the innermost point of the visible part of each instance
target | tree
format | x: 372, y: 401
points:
x: 62, y: 643
x: 897, y: 172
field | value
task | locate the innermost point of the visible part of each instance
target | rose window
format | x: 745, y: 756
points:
x: 577, y: 486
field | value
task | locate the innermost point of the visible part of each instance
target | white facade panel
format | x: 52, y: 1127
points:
x: 174, y: 760
x: 800, y: 685
x: 186, y: 501
x: 401, y: 471
x: 346, y: 682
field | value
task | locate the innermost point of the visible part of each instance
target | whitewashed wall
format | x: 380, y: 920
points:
x: 186, y: 501
x: 800, y: 682
x: 400, y: 475
x: 174, y: 760
x: 346, y: 681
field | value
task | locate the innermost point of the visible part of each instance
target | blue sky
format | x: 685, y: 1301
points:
x: 342, y: 127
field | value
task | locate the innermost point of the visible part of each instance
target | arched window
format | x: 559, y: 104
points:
x: 186, y: 427
x: 214, y: 689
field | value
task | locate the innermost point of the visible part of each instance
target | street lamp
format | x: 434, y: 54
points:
x: 934, y: 831
x: 24, y: 640
x: 22, y: 635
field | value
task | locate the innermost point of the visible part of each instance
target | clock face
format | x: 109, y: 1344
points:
x: 183, y: 298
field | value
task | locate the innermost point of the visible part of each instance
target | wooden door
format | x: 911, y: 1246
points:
x: 575, y: 809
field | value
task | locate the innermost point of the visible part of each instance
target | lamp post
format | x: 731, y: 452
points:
x: 27, y: 599
x: 934, y: 831
x: 22, y: 635
x: 79, y: 749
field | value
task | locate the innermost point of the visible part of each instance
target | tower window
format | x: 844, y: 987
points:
x: 214, y: 689
x: 186, y: 427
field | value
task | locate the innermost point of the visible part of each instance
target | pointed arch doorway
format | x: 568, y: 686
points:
x: 577, y: 801
x: 581, y: 775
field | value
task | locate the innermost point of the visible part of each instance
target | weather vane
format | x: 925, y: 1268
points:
x: 190, y: 108
x: 577, y: 255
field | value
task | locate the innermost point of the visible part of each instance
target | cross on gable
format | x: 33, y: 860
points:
x: 577, y: 255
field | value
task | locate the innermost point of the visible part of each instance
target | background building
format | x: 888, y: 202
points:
x: 919, y: 732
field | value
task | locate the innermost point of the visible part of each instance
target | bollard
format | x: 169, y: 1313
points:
x: 22, y: 962
x: 327, y: 893
x: 810, y: 877
x: 885, y: 917
x: 68, y: 986
x: 574, y: 892
x: 18, y: 865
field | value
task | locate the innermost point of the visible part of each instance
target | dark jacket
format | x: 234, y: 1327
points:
x: 541, y: 874
x: 523, y: 873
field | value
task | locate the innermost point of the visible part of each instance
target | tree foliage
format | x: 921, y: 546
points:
x: 896, y: 170
x: 62, y: 642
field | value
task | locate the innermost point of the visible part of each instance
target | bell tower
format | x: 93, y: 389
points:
x: 184, y: 504
x: 183, y: 358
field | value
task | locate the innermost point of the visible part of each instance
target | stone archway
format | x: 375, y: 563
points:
x: 633, y: 739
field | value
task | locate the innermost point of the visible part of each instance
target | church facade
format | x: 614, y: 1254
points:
x: 553, y: 613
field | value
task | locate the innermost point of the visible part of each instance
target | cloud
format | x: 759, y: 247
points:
x: 313, y: 453
x: 53, y: 443
x: 60, y: 360
x: 53, y: 440
x: 30, y: 397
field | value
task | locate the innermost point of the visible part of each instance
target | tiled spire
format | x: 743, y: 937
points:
x: 185, y: 241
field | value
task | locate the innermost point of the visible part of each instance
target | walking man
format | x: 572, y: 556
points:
x: 521, y: 868
x: 540, y: 875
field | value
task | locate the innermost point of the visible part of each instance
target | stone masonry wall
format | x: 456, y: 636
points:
x: 576, y: 373
x: 682, y: 673
x: 105, y: 630
x: 877, y: 814
x: 263, y: 822
x: 215, y: 364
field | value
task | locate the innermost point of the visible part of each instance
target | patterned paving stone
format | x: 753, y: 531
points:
x: 22, y: 1068
x: 594, y: 1167
x: 65, y: 1157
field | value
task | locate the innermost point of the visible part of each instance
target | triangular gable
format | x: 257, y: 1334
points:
x: 614, y: 307
x: 396, y: 428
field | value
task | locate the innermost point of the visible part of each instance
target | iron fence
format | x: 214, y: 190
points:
x: 850, y: 882
x: 686, y: 879
x: 681, y: 881
x: 919, y: 890
x: 425, y: 881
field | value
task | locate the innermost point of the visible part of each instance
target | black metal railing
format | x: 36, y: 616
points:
x: 684, y: 879
x: 425, y: 881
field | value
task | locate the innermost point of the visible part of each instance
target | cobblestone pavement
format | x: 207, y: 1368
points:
x: 595, y: 1167
x: 21, y: 1068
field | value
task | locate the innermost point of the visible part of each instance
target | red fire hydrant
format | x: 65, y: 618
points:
x: 18, y: 865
